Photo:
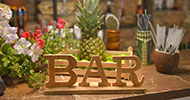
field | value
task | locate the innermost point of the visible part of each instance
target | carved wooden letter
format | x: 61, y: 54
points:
x: 100, y: 72
x: 130, y: 70
x: 51, y: 70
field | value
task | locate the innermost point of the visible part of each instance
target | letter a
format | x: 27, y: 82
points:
x: 100, y: 73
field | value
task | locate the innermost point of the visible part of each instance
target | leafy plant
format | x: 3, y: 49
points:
x: 19, y: 56
x: 36, y: 80
x: 53, y: 43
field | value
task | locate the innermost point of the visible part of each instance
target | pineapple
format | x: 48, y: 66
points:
x: 90, y: 22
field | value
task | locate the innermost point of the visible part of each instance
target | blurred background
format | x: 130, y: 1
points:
x: 29, y: 14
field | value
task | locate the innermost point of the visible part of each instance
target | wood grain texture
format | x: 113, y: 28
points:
x: 130, y: 70
x: 73, y: 87
x: 93, y: 90
x: 69, y: 69
x: 100, y: 72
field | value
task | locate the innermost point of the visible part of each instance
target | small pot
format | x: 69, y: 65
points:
x: 166, y: 63
x: 12, y: 81
x: 113, y: 39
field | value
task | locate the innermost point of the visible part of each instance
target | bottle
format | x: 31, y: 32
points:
x: 43, y: 26
x: 122, y: 12
x: 170, y: 4
x: 139, y: 9
x: 20, y: 20
x: 13, y: 21
x: 64, y: 10
x: 108, y: 11
x: 159, y: 5
x: 50, y: 26
x: 25, y: 16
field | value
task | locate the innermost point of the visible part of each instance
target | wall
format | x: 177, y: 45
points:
x: 37, y: 11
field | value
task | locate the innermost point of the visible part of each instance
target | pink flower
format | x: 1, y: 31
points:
x: 61, y: 23
x: 40, y: 42
x: 36, y: 34
x: 26, y: 34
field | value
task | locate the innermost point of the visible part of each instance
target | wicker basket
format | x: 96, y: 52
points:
x: 16, y: 3
x: 166, y: 63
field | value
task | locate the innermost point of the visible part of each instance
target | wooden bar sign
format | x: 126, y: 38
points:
x: 83, y: 87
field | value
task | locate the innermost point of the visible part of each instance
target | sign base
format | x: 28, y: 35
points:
x: 93, y: 89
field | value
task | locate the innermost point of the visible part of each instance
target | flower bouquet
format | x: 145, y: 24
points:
x: 19, y: 56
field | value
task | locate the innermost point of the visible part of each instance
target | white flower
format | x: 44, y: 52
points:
x: 51, y: 38
x: 5, y: 14
x: 8, y: 14
x: 35, y: 52
x: 9, y: 33
x: 22, y: 46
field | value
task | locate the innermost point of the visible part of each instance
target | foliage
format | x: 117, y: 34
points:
x: 90, y: 16
x: 36, y: 80
x: 16, y: 63
x: 53, y: 42
x: 19, y: 57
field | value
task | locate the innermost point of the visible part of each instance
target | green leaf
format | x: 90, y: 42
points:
x: 2, y: 40
x: 5, y: 47
x: 3, y: 70
x: 6, y: 61
x: 31, y: 71
x: 1, y: 53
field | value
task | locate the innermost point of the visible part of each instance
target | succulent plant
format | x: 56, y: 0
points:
x: 112, y: 22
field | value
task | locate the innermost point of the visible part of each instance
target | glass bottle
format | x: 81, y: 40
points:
x: 139, y: 9
x: 64, y: 10
x: 122, y: 12
x: 108, y: 7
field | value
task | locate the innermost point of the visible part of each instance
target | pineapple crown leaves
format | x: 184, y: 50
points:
x: 90, y: 17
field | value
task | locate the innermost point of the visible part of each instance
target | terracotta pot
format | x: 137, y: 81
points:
x: 16, y: 3
x: 166, y: 63
x: 113, y: 39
